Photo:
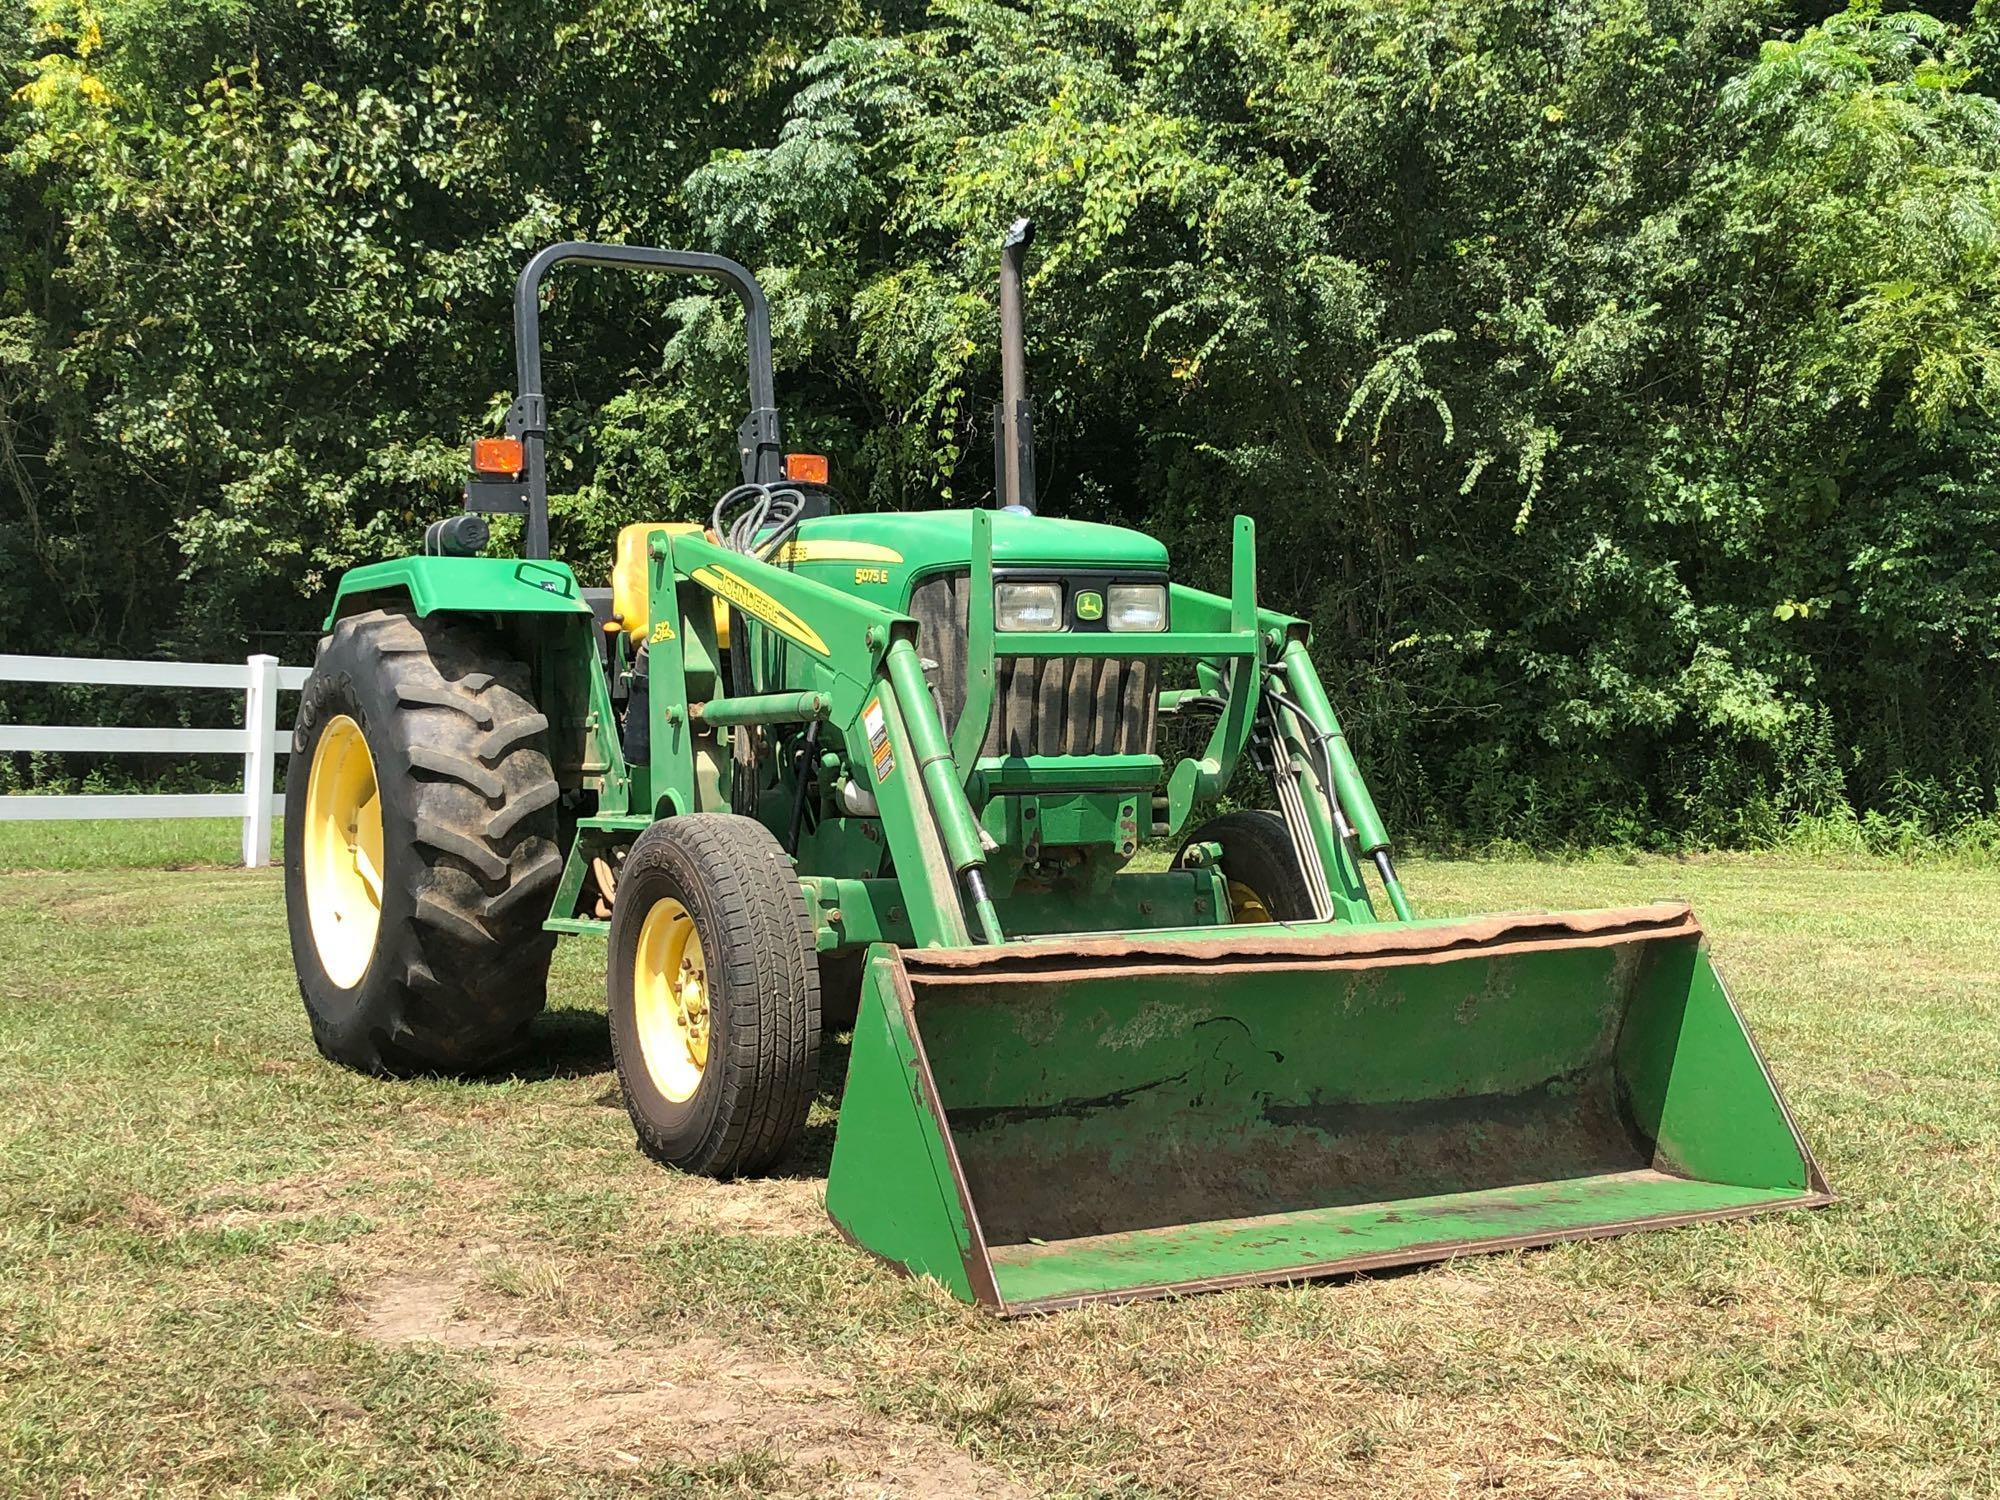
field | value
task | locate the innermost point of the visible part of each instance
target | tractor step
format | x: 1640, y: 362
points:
x: 594, y: 836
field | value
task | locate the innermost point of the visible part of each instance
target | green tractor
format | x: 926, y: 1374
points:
x: 805, y: 770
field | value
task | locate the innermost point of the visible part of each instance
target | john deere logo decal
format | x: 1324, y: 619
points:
x: 1090, y: 605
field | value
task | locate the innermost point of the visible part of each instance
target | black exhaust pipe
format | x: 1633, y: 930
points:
x: 1014, y: 418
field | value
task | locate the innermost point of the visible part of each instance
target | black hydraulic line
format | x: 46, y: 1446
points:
x: 749, y: 509
x: 808, y: 759
x: 1318, y: 742
x: 1322, y: 761
x: 738, y: 516
x: 985, y: 929
x: 1207, y: 704
x: 769, y: 547
x: 736, y: 520
x: 755, y: 496
x: 1386, y: 868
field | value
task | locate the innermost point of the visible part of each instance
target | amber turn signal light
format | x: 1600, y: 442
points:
x: 805, y: 468
x: 498, y: 457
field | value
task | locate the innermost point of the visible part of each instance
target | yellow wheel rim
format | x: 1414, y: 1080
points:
x: 343, y: 852
x: 1245, y: 905
x: 670, y: 1000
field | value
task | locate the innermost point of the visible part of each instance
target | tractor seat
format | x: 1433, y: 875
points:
x: 602, y: 629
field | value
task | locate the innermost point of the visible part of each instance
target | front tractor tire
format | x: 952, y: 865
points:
x: 1259, y: 866
x: 420, y: 847
x: 714, y: 995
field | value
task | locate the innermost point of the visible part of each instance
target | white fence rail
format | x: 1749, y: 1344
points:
x: 259, y: 742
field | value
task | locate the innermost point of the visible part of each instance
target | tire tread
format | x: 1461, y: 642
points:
x: 1257, y: 850
x: 467, y: 965
x: 763, y: 931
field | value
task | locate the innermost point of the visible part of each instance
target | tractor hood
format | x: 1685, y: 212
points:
x: 882, y: 554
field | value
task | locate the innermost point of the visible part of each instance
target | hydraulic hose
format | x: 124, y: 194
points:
x: 1345, y: 783
x: 750, y: 509
x: 805, y: 773
x: 736, y: 520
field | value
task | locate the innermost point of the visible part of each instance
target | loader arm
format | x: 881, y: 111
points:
x: 862, y: 658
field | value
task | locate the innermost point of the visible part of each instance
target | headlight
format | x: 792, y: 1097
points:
x: 1135, y: 606
x: 1027, y: 606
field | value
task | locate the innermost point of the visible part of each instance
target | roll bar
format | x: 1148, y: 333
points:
x: 759, y: 443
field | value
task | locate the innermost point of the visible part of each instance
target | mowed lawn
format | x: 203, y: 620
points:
x: 228, y: 1267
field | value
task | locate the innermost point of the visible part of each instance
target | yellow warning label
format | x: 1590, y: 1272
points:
x: 759, y: 605
x: 661, y: 632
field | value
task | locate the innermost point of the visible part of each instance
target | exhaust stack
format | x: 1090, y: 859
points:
x: 1014, y: 419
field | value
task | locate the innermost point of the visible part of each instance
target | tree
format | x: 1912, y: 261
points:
x: 1613, y: 385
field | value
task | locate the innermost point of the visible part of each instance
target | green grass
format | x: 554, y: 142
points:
x: 135, y: 844
x: 227, y: 1267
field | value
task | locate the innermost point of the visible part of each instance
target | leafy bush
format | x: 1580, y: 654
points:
x: 1613, y: 386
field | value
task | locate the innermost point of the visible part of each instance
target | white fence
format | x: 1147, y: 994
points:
x: 259, y: 742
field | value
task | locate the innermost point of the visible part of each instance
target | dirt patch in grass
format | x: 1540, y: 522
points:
x: 791, y: 1205
x: 700, y: 1400
x: 605, y: 1404
x: 435, y: 1309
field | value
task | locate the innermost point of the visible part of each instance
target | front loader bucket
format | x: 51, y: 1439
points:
x: 1039, y: 1126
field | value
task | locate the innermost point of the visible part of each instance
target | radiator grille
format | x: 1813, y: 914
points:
x: 1086, y: 705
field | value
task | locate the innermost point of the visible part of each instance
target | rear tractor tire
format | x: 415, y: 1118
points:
x: 714, y: 994
x: 1259, y: 866
x: 420, y: 847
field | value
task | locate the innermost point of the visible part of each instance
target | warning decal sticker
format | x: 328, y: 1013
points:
x: 880, y: 755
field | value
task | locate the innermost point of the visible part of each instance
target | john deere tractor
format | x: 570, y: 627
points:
x: 803, y: 768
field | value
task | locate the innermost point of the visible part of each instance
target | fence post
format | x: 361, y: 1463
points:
x: 260, y: 723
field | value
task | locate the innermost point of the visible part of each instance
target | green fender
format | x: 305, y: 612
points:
x: 463, y: 585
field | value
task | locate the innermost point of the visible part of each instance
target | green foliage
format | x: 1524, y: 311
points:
x: 1613, y: 385
x: 261, y: 257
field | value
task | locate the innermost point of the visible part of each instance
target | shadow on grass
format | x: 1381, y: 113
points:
x: 574, y: 1042
x: 570, y: 1042
x: 814, y: 1152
